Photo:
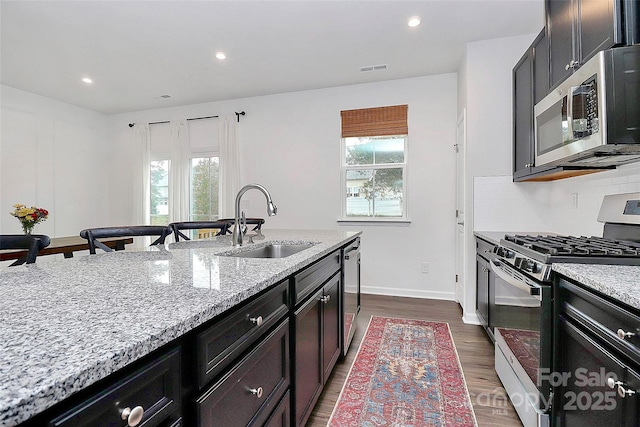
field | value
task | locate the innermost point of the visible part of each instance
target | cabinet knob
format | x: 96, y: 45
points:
x: 612, y: 383
x: 257, y: 320
x: 622, y: 334
x: 325, y: 299
x: 257, y: 392
x: 132, y: 416
x: 571, y: 65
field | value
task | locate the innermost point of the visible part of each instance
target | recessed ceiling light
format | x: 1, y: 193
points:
x: 87, y: 80
x: 414, y: 21
x: 220, y: 55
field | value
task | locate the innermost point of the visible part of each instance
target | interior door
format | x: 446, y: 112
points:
x: 460, y: 197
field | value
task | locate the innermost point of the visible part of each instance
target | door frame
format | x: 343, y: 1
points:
x: 460, y: 232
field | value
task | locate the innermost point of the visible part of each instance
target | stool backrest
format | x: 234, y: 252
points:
x: 221, y: 226
x: 93, y: 234
x: 33, y: 243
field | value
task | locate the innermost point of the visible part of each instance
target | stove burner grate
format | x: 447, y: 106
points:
x: 576, y: 246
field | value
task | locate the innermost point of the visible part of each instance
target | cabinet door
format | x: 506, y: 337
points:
x: 560, y: 32
x: 308, y: 357
x: 540, y: 68
x: 247, y: 394
x: 523, y: 116
x: 330, y: 326
x: 599, y: 24
x: 582, y: 396
x: 482, y: 290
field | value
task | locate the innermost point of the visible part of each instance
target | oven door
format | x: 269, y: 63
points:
x: 521, y: 318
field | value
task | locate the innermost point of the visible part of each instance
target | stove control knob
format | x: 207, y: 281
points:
x: 530, y: 266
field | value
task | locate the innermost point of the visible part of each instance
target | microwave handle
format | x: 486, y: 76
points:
x: 570, y: 111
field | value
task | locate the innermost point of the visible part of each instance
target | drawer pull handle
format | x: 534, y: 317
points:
x: 325, y: 299
x: 257, y: 320
x: 623, y: 335
x: 622, y: 392
x: 257, y: 392
x: 133, y: 416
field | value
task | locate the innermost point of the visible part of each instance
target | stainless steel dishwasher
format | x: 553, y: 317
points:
x: 351, y: 269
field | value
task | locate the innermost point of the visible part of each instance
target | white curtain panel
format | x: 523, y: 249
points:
x: 141, y: 189
x: 179, y: 172
x: 229, y: 165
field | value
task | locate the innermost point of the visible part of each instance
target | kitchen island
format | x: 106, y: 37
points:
x: 67, y: 324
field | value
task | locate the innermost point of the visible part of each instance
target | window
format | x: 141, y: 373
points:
x: 159, y: 181
x: 203, y: 197
x: 374, y: 147
x: 203, y: 164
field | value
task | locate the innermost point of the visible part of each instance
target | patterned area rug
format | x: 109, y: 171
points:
x: 406, y: 374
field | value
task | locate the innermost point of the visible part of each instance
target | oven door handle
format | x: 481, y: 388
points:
x: 531, y: 289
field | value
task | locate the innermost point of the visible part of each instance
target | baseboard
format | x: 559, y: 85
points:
x: 471, y: 319
x: 411, y: 293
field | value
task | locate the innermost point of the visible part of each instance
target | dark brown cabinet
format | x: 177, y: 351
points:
x: 484, y: 250
x: 250, y: 390
x: 264, y: 362
x: 530, y: 85
x: 316, y: 344
x: 578, y: 29
x: 596, y: 371
x: 150, y: 395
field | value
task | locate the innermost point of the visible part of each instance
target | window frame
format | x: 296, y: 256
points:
x: 344, y: 167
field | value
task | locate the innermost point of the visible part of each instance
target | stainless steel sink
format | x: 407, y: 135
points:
x: 273, y: 251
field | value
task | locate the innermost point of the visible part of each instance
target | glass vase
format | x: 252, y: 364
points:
x: 27, y: 228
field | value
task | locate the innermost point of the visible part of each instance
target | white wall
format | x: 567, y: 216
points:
x: 290, y: 143
x: 502, y: 205
x: 486, y: 77
x: 52, y: 156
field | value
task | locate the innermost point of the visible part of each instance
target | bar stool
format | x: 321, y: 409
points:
x: 92, y: 234
x: 206, y: 229
x: 33, y: 243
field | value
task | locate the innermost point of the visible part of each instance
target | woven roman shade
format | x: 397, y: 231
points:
x: 379, y: 121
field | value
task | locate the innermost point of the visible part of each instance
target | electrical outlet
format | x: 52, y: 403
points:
x: 424, y: 267
x: 574, y: 200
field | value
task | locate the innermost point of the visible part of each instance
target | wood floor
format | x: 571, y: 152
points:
x: 475, y: 350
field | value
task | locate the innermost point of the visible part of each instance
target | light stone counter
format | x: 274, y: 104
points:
x: 68, y: 323
x: 621, y: 282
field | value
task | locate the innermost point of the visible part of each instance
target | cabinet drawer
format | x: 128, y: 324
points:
x: 248, y: 393
x: 226, y: 339
x: 281, y: 415
x: 484, y: 248
x: 155, y: 387
x: 310, y: 279
x: 604, y: 318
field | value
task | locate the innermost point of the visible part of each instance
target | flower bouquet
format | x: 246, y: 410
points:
x: 29, y: 217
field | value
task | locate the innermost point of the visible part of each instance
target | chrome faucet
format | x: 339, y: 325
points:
x: 240, y: 223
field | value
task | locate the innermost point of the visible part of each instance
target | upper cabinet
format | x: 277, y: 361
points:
x: 578, y: 29
x: 575, y: 31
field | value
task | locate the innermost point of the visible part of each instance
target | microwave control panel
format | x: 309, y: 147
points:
x: 585, y: 108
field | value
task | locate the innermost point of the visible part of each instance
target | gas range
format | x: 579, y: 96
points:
x: 620, y: 244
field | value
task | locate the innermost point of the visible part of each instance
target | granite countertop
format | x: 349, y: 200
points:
x: 68, y: 323
x: 621, y: 282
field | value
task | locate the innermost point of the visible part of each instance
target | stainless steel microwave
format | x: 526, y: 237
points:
x: 592, y: 119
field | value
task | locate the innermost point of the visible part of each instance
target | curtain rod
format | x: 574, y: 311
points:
x: 241, y: 113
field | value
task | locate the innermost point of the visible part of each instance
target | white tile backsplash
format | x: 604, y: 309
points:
x: 502, y: 205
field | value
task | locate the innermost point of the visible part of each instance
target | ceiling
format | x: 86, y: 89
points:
x: 138, y: 51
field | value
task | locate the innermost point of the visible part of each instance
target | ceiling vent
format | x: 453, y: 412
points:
x: 373, y: 68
